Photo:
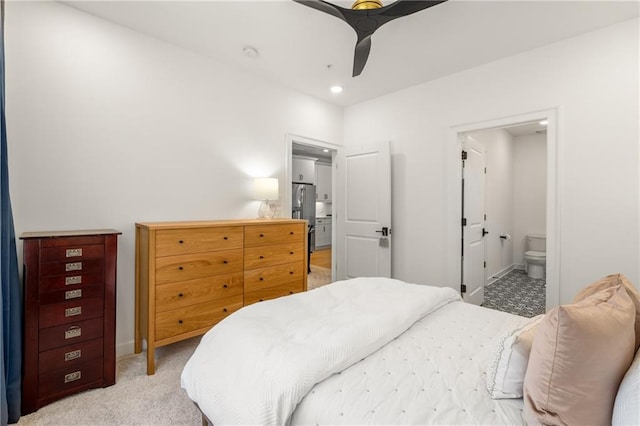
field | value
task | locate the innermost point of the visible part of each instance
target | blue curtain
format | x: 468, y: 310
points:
x: 10, y: 290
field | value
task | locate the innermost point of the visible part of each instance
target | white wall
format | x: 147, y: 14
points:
x: 499, y: 199
x: 530, y: 192
x: 592, y: 82
x: 108, y: 127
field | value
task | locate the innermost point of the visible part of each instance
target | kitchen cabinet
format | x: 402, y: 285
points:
x: 304, y: 170
x: 323, y: 178
x: 323, y: 232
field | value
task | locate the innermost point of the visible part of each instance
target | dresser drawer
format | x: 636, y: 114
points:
x: 85, y: 240
x: 184, y: 293
x: 195, y: 317
x: 70, y: 311
x: 70, y: 355
x: 81, y: 293
x: 71, y: 267
x: 272, y: 292
x: 172, y: 242
x: 259, y: 257
x: 199, y: 265
x: 67, y: 334
x: 71, y: 253
x: 273, y: 275
x: 262, y: 235
x: 70, y: 378
x: 70, y: 282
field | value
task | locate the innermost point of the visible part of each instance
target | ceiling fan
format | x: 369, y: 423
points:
x: 365, y: 17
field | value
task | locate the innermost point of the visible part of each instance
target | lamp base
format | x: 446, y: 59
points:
x: 267, y: 210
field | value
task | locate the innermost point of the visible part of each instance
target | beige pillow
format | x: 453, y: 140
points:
x: 612, y: 281
x: 580, y: 354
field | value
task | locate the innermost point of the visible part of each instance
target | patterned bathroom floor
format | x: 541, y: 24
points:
x: 517, y: 294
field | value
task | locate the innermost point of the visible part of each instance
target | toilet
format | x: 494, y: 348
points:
x: 535, y: 256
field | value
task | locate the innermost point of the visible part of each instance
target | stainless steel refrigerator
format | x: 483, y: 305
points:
x: 303, y: 205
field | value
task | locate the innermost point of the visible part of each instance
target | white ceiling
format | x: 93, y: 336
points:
x: 296, y: 43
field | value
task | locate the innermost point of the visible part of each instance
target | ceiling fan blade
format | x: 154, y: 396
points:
x: 325, y: 7
x: 407, y: 7
x: 361, y: 55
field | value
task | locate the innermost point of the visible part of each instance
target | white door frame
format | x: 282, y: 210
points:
x: 285, y: 187
x: 454, y: 187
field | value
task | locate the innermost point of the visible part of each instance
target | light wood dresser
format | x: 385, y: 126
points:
x: 191, y: 275
x: 69, y: 314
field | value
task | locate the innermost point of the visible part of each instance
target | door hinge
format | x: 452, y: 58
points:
x: 464, y: 155
x: 485, y: 264
x: 485, y: 170
x: 464, y: 221
x: 463, y: 288
x: 485, y: 217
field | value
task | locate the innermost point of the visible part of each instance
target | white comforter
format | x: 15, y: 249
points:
x: 257, y: 365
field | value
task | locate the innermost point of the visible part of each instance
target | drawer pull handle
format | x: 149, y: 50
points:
x: 180, y: 268
x: 73, y: 294
x: 74, y: 252
x: 291, y: 233
x: 179, y: 321
x: 181, y: 242
x: 75, y: 266
x: 261, y: 300
x: 73, y: 331
x: 290, y: 292
x: 180, y: 295
x: 224, y: 310
x: 70, y: 356
x: 72, y: 377
x: 73, y: 280
x: 225, y: 261
x: 72, y: 312
x: 261, y: 257
x: 290, y: 272
x: 261, y: 279
x: 261, y: 235
x: 291, y: 252
x: 225, y: 286
x: 226, y: 238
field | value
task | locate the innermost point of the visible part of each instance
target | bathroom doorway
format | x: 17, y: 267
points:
x: 521, y: 182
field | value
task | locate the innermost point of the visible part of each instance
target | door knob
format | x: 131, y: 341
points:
x: 384, y: 231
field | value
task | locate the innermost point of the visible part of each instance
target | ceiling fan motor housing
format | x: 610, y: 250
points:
x: 366, y: 4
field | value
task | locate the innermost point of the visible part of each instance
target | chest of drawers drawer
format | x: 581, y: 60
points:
x: 70, y: 311
x: 279, y: 290
x: 184, y: 293
x: 61, y: 335
x: 71, y: 281
x: 262, y: 235
x: 271, y: 276
x: 195, y: 317
x: 199, y: 265
x: 172, y: 242
x: 72, y: 253
x: 77, y: 294
x: 70, y: 355
x: 259, y: 257
x: 71, y: 267
x: 69, y: 378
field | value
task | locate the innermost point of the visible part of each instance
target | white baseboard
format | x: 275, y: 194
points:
x: 504, y: 271
x: 124, y: 349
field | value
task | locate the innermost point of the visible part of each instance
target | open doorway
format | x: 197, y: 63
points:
x: 311, y: 178
x: 504, y: 195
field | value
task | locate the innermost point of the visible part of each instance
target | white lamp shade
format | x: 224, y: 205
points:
x: 265, y: 188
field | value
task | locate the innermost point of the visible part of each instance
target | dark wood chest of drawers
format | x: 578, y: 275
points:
x: 69, y: 314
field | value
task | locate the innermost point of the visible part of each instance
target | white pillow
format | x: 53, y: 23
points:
x: 626, y: 409
x: 505, y: 374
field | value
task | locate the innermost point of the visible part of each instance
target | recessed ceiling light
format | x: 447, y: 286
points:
x: 336, y: 89
x: 325, y: 150
x: 544, y: 122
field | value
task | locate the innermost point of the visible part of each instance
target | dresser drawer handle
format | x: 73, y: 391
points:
x: 73, y: 331
x: 73, y: 280
x: 290, y: 292
x: 73, y: 252
x: 72, y: 377
x: 226, y: 238
x: 225, y: 286
x: 70, y: 356
x: 291, y: 252
x: 75, y: 266
x: 73, y: 294
x: 225, y: 261
x: 180, y: 268
x: 180, y: 295
x: 224, y: 310
x: 72, y: 312
x: 181, y: 242
x: 291, y: 233
x: 261, y: 300
x: 179, y: 321
x: 261, y: 279
x: 290, y: 272
x: 261, y: 257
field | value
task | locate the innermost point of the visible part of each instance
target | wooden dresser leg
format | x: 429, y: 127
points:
x: 151, y: 361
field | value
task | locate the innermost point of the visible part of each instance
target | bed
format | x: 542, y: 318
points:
x: 362, y: 351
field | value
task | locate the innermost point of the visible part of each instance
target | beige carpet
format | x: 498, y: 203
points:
x: 135, y: 399
x: 318, y: 277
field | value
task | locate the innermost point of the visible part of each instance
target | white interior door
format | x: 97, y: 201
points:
x: 473, y: 221
x: 364, y: 219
